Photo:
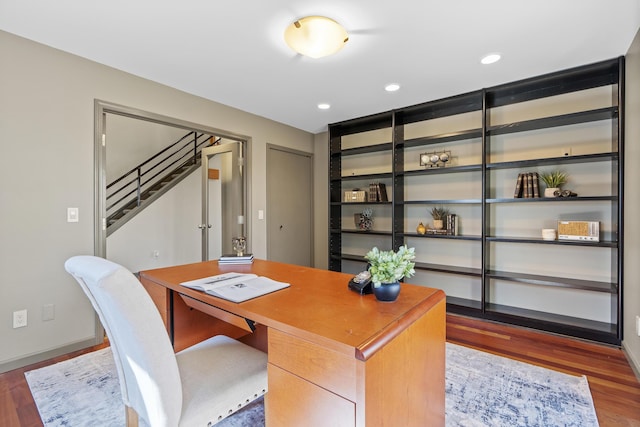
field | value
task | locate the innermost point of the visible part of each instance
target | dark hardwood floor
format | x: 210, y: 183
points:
x: 615, y: 389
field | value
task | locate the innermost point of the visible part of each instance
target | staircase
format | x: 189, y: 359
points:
x: 129, y: 194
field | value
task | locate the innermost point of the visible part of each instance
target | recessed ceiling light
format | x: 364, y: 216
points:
x: 392, y: 87
x: 324, y: 106
x: 491, y: 58
x: 316, y: 36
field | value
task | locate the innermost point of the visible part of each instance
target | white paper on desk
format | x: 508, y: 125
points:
x: 236, y: 287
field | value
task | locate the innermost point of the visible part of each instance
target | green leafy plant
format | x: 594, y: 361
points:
x: 439, y: 212
x: 390, y: 266
x: 554, y: 179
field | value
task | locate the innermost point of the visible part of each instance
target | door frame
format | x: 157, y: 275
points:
x: 237, y: 149
x: 270, y: 147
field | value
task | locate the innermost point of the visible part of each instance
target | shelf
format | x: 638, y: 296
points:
x: 376, y: 148
x: 442, y: 138
x: 440, y: 236
x: 360, y: 203
x: 369, y: 176
x: 441, y: 202
x: 444, y: 169
x: 555, y: 199
x: 370, y: 232
x: 349, y: 257
x: 554, y: 121
x: 585, y: 158
x: 562, y: 282
x: 454, y: 304
x: 567, y: 325
x: 450, y: 269
x: 600, y: 244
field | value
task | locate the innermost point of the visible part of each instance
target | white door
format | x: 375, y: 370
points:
x: 289, y: 206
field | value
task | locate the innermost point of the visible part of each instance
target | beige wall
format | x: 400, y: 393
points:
x: 631, y: 289
x: 46, y: 131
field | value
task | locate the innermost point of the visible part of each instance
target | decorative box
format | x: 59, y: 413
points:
x: 355, y: 196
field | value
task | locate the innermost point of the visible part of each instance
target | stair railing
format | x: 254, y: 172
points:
x: 140, y: 179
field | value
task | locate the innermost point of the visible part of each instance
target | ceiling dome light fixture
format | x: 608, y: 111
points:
x: 316, y: 36
x: 490, y: 59
x: 324, y: 106
x: 392, y: 87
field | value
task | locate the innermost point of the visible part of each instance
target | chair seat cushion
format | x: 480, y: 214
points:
x: 219, y: 376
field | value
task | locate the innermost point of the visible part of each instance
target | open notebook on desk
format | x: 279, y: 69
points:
x: 236, y: 287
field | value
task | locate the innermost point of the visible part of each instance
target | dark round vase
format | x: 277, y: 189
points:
x: 387, y: 292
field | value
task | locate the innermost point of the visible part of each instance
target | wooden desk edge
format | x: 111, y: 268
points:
x: 369, y: 348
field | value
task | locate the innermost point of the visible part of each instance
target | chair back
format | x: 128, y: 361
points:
x: 146, y: 363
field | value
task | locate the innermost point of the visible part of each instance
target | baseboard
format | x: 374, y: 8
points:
x: 39, y: 357
x: 633, y: 362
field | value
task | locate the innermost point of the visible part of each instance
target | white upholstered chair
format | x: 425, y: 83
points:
x: 198, y: 386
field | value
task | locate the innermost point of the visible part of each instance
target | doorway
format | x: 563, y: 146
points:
x: 289, y: 206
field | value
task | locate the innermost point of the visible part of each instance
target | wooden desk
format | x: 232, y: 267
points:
x: 336, y: 358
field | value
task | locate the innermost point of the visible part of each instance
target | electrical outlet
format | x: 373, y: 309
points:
x: 19, y: 319
x: 638, y: 325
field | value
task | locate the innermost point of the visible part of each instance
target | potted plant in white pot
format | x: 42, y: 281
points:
x: 387, y: 268
x: 439, y: 214
x: 553, y: 181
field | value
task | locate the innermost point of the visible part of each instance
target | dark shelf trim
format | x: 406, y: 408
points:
x: 370, y: 232
x: 555, y: 199
x: 360, y: 203
x: 373, y: 176
x: 440, y: 236
x: 584, y: 158
x: 387, y: 146
x: 349, y: 257
x: 554, y: 121
x: 450, y: 269
x: 446, y: 169
x: 600, y: 244
x: 561, y: 282
x: 441, y: 202
x: 463, y: 306
x: 551, y: 322
x: 442, y: 138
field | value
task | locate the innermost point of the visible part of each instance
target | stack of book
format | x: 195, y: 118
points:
x: 378, y: 192
x: 236, y: 259
x: 527, y: 186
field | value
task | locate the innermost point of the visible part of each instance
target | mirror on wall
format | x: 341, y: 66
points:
x: 140, y: 157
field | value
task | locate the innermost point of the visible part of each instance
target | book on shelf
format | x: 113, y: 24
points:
x: 382, y: 192
x: 452, y: 225
x: 518, y: 192
x: 535, y: 179
x: 443, y: 231
x: 236, y: 259
x: 236, y: 287
x: 529, y: 185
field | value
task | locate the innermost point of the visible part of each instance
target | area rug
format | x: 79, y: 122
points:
x: 481, y: 390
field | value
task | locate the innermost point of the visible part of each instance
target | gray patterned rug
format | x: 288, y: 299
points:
x: 481, y: 390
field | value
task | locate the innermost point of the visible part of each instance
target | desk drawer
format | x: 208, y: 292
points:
x: 327, y: 368
x: 292, y: 401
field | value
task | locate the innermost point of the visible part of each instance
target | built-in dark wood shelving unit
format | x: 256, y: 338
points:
x: 484, y: 204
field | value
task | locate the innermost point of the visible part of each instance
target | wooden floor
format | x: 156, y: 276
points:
x: 615, y: 389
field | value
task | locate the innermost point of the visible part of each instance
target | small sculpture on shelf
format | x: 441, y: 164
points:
x: 421, y: 229
x: 364, y: 220
x: 435, y: 159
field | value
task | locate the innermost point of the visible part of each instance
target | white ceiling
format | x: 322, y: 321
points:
x: 233, y: 52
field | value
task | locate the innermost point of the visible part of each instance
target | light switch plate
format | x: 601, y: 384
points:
x: 72, y: 215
